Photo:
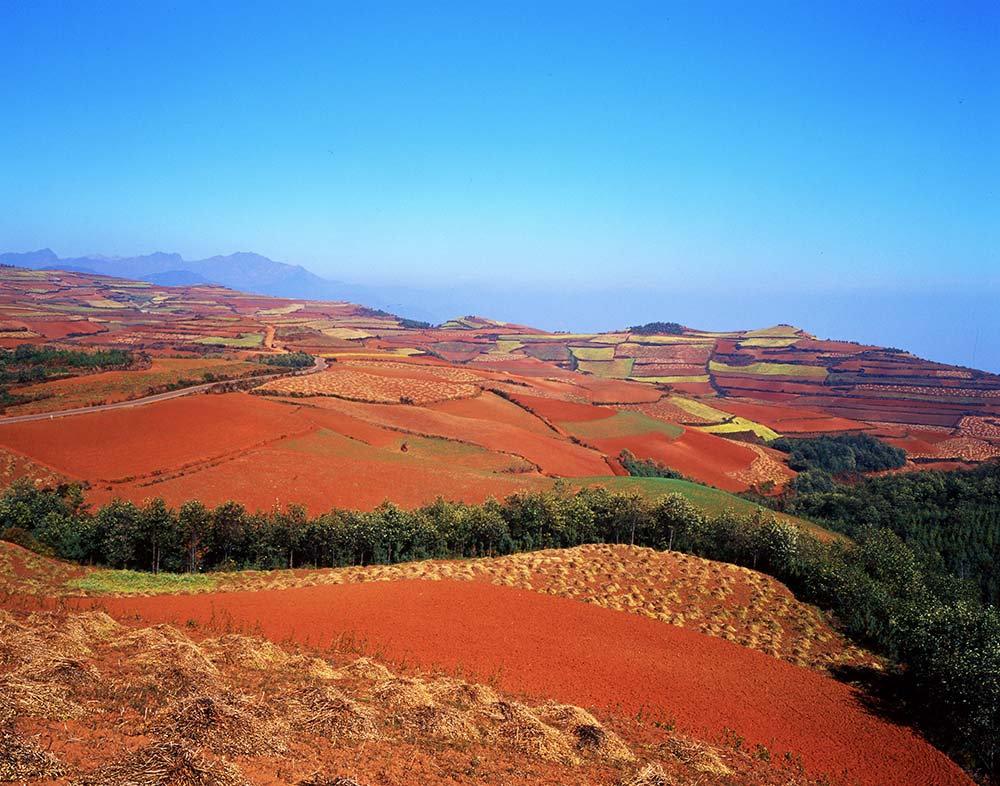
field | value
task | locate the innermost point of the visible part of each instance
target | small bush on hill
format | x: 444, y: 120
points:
x: 657, y: 329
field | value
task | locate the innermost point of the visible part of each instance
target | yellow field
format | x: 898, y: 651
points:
x: 770, y: 369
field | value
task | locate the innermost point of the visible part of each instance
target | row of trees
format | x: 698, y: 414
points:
x: 884, y: 593
x: 287, y: 360
x: 28, y: 363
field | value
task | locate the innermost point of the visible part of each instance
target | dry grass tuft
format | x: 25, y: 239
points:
x: 315, y: 668
x: 322, y: 780
x: 21, y: 759
x: 224, y: 723
x: 165, y: 763
x: 590, y: 737
x: 246, y: 651
x: 365, y: 669
x: 327, y: 710
x: 516, y: 727
x: 697, y: 755
x: 650, y: 775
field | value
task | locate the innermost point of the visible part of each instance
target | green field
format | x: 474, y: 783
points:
x: 142, y: 583
x: 622, y: 424
x: 246, y: 341
x: 709, y: 500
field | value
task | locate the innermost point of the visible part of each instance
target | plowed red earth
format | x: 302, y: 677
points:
x: 704, y: 457
x: 579, y: 653
x: 789, y: 420
x: 56, y: 329
x: 167, y: 435
x: 260, y: 479
x: 554, y: 455
x: 563, y: 411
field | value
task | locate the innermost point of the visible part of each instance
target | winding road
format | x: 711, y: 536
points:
x: 319, y: 365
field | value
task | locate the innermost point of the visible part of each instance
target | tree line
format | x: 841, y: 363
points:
x: 885, y: 594
x: 951, y: 520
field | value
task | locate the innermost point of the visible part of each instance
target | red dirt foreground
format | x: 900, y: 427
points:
x: 575, y: 652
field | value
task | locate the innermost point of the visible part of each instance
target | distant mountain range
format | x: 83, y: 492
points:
x: 243, y: 271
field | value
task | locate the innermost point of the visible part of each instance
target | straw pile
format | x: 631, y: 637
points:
x: 516, y: 727
x: 316, y: 668
x: 27, y: 697
x: 165, y: 763
x: 464, y: 695
x: 589, y: 736
x: 21, y: 759
x: 445, y: 723
x: 225, y: 723
x: 328, y: 711
x: 245, y: 651
x: 176, y: 667
x: 401, y: 693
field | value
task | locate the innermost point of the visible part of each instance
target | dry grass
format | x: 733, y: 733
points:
x: 237, y: 650
x: 356, y: 385
x: 516, y: 727
x: 697, y: 756
x: 588, y: 735
x: 22, y: 759
x: 234, y: 709
x: 650, y: 775
x: 463, y: 695
x: 30, y: 698
x: 330, y: 712
x: 225, y: 723
x: 365, y: 669
x: 165, y: 763
x: 401, y: 693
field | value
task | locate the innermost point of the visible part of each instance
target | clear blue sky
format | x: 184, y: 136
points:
x: 730, y: 156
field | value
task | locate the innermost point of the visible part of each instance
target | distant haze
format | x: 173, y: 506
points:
x: 947, y: 325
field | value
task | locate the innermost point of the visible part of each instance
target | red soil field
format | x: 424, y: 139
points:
x: 56, y: 329
x: 166, y: 435
x: 586, y: 655
x: 704, y: 457
x: 260, y: 479
x: 614, y: 391
x: 787, y: 420
x: 492, y: 407
x: 348, y: 426
x: 554, y: 455
x: 563, y: 411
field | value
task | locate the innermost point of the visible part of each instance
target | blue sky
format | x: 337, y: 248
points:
x: 728, y: 161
